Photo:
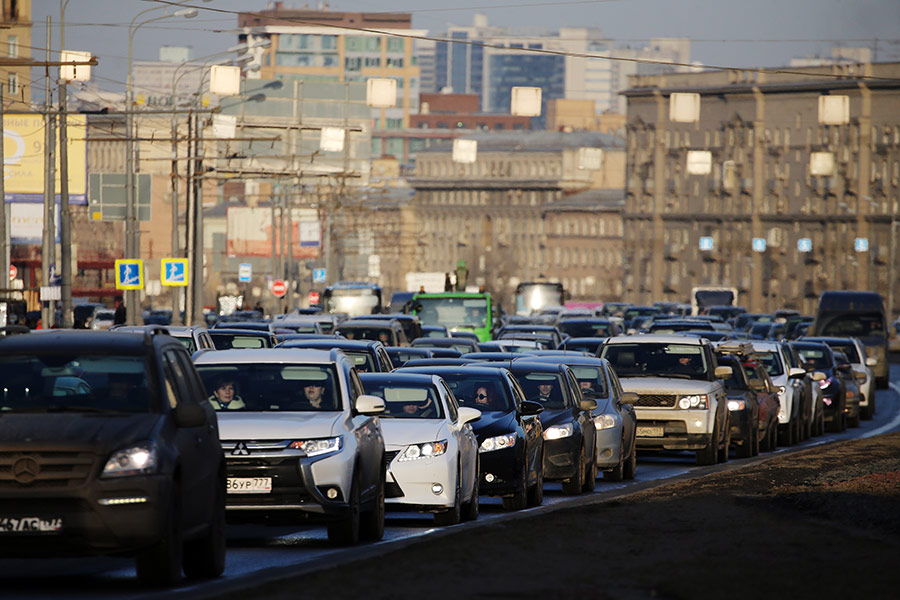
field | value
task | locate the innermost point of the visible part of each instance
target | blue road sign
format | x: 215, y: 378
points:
x: 318, y: 275
x: 174, y: 271
x: 804, y: 245
x: 245, y: 272
x: 129, y: 274
x: 759, y: 244
x: 706, y: 243
x: 861, y: 244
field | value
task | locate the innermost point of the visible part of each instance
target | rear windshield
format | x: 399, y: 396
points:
x: 406, y: 401
x: 74, y: 383
x: 271, y: 387
x: 229, y: 341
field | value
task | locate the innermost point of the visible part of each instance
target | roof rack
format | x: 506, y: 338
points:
x: 735, y: 347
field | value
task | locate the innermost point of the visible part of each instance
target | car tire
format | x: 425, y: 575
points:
x: 452, y: 515
x: 820, y: 426
x: 519, y: 499
x: 590, y: 480
x: 160, y: 565
x: 471, y: 508
x: 722, y: 453
x: 745, y: 450
x: 536, y: 492
x: 576, y: 483
x: 707, y: 456
x: 372, y: 522
x: 345, y: 532
x: 853, y: 421
x: 205, y: 556
x: 630, y: 466
x: 617, y: 473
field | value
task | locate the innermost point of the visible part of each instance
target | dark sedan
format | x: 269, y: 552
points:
x: 818, y: 356
x: 510, y: 434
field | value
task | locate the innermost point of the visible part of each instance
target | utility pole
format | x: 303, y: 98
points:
x: 197, y: 264
x: 190, y: 230
x: 65, y: 215
x: 4, y: 247
x: 48, y: 312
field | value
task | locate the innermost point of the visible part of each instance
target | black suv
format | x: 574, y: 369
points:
x: 108, y: 446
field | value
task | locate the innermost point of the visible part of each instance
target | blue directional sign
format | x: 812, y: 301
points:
x: 318, y: 275
x: 129, y: 274
x: 706, y: 243
x: 759, y: 244
x: 804, y: 245
x: 174, y: 271
x: 245, y: 272
x: 861, y: 244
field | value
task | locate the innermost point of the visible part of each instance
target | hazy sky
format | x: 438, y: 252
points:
x: 724, y: 32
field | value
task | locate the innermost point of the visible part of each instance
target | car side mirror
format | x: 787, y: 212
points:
x: 189, y: 415
x: 468, y: 415
x: 819, y: 376
x: 628, y: 398
x: 797, y: 373
x: 723, y: 372
x: 871, y: 361
x: 757, y: 385
x: 843, y: 367
x: 369, y: 405
x: 530, y: 408
x: 588, y: 404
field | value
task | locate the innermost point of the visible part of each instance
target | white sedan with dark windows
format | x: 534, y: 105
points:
x: 300, y: 437
x: 432, y: 452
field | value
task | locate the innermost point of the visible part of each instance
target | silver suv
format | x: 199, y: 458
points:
x: 681, y: 401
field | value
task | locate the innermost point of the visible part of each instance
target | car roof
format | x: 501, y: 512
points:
x: 654, y: 339
x: 68, y: 340
x: 527, y: 366
x: 267, y: 355
x: 480, y: 370
x: 360, y: 323
x: 328, y: 343
x: 393, y: 376
x: 566, y: 360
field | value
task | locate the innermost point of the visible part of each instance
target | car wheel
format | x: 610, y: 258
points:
x: 345, y: 532
x: 842, y: 424
x: 471, y: 508
x: 630, y: 468
x: 722, y: 454
x: 820, y: 427
x: 745, y: 450
x: 452, y: 515
x: 536, y: 492
x: 617, y: 473
x: 519, y: 499
x: 205, y: 557
x: 590, y: 481
x: 575, y: 484
x: 853, y: 421
x: 707, y: 456
x: 160, y: 565
x: 372, y: 522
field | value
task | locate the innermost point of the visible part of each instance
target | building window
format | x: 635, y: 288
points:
x: 13, y: 84
x: 396, y: 63
x: 329, y: 42
x: 395, y: 44
x: 373, y: 61
x: 373, y: 44
x: 354, y: 43
x: 12, y: 43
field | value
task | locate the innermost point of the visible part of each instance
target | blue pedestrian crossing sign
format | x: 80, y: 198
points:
x: 706, y: 243
x: 861, y: 244
x: 759, y: 244
x: 318, y: 275
x: 174, y: 271
x: 804, y: 245
x: 129, y: 274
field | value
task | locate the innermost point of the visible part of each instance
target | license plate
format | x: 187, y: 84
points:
x: 249, y: 485
x: 647, y: 431
x: 30, y: 525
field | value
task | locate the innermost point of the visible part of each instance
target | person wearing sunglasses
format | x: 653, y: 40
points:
x: 482, y: 398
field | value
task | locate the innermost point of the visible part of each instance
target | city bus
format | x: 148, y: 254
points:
x: 856, y: 314
x: 354, y: 298
x: 532, y: 296
x: 458, y: 311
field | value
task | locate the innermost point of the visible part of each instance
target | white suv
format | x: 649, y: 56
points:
x: 791, y: 429
x: 299, y: 434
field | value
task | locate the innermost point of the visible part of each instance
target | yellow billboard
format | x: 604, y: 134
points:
x: 23, y: 152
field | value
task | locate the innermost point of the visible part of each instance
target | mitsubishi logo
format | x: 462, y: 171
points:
x: 25, y: 469
x: 240, y: 449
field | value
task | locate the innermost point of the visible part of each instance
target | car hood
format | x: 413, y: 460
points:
x: 556, y: 416
x: 494, y: 423
x: 399, y: 433
x: 103, y: 433
x: 664, y: 385
x: 239, y: 425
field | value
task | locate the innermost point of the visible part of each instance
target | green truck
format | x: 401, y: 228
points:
x: 458, y: 311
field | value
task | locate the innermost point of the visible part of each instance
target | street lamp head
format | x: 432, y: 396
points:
x: 187, y: 13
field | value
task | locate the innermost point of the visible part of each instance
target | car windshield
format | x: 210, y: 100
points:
x: 406, y: 401
x: 234, y: 341
x: 734, y: 382
x: 452, y: 312
x: 485, y: 394
x: 771, y: 362
x: 858, y: 325
x: 818, y: 357
x: 656, y: 359
x: 592, y: 380
x: 383, y: 334
x: 849, y: 350
x: 271, y: 387
x: 545, y: 388
x: 74, y: 382
x: 362, y: 360
x: 188, y: 343
x: 585, y: 328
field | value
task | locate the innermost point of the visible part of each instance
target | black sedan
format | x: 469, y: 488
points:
x: 510, y: 434
x: 819, y: 357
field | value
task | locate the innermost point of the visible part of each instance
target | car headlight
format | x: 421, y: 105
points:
x: 736, y: 405
x: 604, y: 422
x: 426, y: 450
x: 318, y: 447
x: 498, y: 442
x: 695, y: 401
x: 557, y: 432
x: 137, y: 460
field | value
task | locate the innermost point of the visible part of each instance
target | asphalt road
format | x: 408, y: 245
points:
x: 260, y: 553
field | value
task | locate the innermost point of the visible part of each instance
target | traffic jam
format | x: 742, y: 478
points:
x: 152, y: 441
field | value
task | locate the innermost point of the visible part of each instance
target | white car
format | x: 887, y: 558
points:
x: 299, y: 435
x: 862, y: 368
x: 432, y: 453
x: 791, y: 428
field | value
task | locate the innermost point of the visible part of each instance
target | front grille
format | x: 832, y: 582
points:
x: 389, y: 456
x: 288, y: 486
x: 44, y: 469
x: 656, y: 401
